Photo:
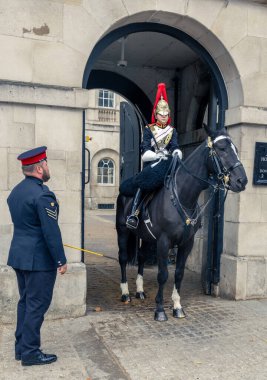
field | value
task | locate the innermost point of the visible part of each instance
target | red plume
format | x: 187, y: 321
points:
x: 161, y: 92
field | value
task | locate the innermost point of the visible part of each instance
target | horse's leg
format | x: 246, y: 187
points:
x: 182, y: 254
x: 123, y: 236
x: 140, y: 279
x: 162, y: 254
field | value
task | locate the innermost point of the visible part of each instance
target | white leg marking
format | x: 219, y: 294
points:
x: 139, y: 284
x: 124, y: 288
x: 176, y: 299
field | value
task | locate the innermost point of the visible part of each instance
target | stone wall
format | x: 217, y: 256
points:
x: 23, y: 126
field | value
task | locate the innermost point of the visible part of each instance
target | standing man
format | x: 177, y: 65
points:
x: 36, y: 253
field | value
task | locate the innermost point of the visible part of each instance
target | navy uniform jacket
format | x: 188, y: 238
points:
x: 36, y: 243
x: 148, y: 135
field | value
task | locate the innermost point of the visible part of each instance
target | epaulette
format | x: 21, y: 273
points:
x: 150, y: 125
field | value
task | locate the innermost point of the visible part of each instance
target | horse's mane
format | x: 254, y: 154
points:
x: 212, y: 135
x: 194, y: 152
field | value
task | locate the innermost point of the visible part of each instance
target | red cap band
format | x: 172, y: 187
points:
x: 33, y: 160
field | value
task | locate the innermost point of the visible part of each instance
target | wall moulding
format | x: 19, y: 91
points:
x: 38, y: 94
x: 246, y: 115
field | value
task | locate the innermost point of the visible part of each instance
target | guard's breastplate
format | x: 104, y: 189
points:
x: 162, y: 136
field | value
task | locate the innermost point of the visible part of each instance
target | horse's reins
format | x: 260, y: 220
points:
x: 189, y: 220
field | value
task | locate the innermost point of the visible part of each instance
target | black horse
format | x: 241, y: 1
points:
x: 172, y: 217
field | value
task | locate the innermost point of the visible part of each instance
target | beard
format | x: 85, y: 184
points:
x: 46, y: 175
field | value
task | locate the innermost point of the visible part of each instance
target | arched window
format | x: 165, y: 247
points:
x: 105, y: 171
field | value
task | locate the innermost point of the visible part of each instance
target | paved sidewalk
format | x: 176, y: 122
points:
x: 219, y: 339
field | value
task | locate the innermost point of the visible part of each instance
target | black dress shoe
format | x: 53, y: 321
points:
x: 38, y: 359
x: 18, y: 356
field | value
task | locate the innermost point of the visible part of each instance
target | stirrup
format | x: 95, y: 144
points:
x: 130, y: 218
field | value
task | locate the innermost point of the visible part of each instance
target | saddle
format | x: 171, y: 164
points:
x: 144, y: 213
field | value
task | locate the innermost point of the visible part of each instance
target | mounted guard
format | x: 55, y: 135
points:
x: 160, y: 141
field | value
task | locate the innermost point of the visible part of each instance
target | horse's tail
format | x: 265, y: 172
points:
x: 132, y: 249
x: 125, y: 237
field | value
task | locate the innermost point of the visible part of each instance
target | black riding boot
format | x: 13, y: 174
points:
x: 132, y: 220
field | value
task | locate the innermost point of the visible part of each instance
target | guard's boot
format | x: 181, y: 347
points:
x: 133, y: 220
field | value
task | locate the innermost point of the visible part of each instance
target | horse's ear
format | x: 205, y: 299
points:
x: 211, y: 132
x: 208, y: 131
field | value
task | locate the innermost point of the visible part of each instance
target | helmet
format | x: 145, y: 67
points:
x: 161, y: 105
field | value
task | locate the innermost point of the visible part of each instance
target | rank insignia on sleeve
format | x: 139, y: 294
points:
x: 51, y: 213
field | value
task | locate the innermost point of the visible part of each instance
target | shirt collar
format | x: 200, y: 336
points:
x: 162, y: 126
x: 35, y: 179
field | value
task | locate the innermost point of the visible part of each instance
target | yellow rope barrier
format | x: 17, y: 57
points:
x: 84, y: 250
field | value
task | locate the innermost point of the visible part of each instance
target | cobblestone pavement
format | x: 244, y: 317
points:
x: 219, y: 339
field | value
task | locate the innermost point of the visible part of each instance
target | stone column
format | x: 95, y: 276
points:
x: 32, y: 116
x: 244, y: 259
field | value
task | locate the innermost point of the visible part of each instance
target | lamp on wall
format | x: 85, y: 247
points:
x: 122, y: 62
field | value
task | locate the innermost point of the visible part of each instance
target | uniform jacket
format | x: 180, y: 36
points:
x: 169, y: 144
x: 37, y: 243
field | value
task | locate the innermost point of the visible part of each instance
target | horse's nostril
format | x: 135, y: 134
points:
x: 242, y: 182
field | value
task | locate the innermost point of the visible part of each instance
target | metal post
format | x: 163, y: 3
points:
x: 212, y: 119
x: 83, y: 187
x: 216, y: 217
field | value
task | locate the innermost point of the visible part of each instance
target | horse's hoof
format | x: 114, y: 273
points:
x: 140, y: 295
x: 178, y: 313
x: 160, y: 316
x: 125, y: 298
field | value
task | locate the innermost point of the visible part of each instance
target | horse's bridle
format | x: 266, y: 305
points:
x: 223, y: 173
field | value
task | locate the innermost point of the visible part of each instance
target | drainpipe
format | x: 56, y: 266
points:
x: 83, y: 186
x: 212, y: 119
x: 176, y: 99
x: 216, y: 214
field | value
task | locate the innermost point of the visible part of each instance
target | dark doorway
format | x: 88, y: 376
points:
x: 142, y: 83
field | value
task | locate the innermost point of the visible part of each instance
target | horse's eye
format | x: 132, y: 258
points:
x: 222, y: 145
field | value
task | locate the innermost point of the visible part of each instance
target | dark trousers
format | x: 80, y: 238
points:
x: 36, y: 291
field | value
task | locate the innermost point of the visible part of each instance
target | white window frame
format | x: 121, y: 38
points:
x: 107, y: 97
x: 110, y: 174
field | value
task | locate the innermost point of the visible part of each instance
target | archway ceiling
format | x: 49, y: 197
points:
x: 147, y: 50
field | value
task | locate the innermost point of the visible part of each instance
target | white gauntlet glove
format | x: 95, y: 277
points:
x: 162, y: 155
x: 149, y: 155
x: 179, y: 152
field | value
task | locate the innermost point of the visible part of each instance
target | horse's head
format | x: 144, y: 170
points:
x: 225, y: 161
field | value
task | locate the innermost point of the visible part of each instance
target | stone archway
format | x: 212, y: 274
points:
x: 220, y: 73
x: 195, y: 35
